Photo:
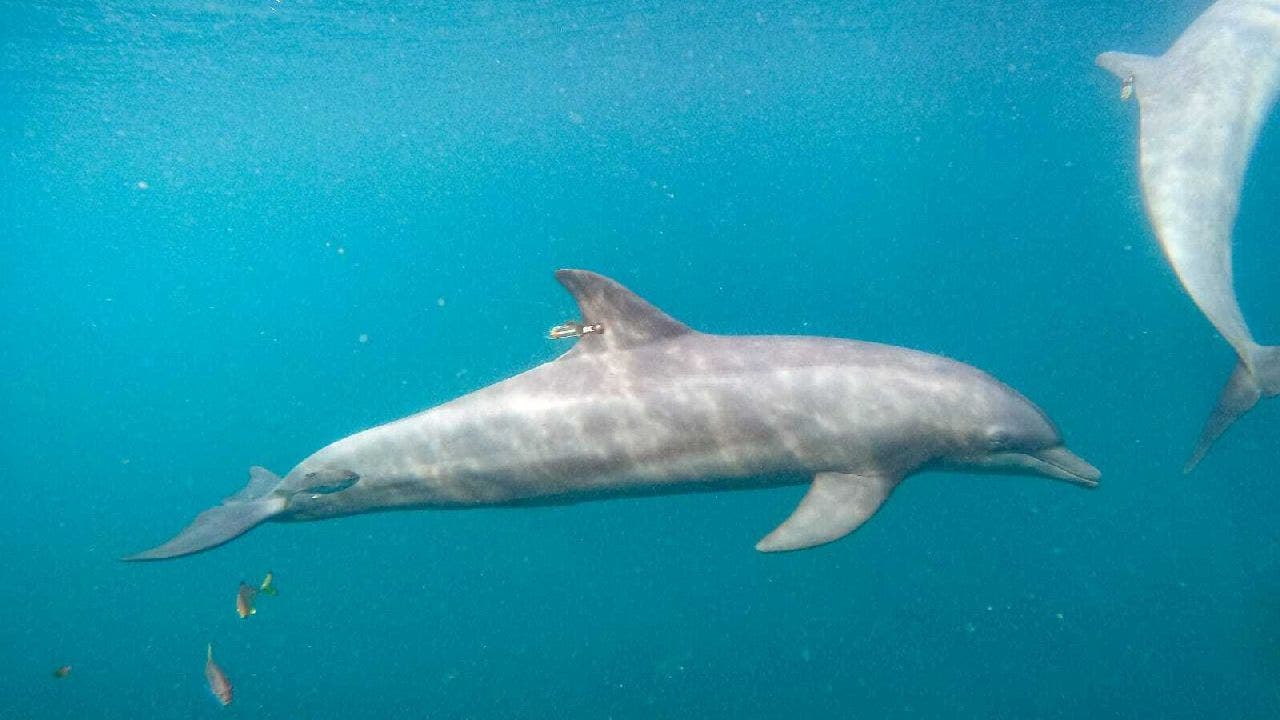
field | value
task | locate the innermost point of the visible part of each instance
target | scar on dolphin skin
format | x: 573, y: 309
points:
x: 1202, y: 104
x: 646, y: 405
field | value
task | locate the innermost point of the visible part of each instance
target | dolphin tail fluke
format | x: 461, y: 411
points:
x: 235, y: 516
x: 1248, y: 384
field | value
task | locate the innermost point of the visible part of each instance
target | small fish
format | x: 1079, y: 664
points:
x: 62, y: 672
x: 244, y: 600
x: 268, y: 584
x: 219, y: 685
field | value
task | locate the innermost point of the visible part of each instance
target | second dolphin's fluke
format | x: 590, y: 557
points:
x: 643, y: 404
x: 1202, y: 105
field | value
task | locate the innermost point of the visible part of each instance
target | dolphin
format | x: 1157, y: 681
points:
x: 1202, y: 104
x: 643, y: 404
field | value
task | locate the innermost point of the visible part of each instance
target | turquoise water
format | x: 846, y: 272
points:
x: 206, y: 206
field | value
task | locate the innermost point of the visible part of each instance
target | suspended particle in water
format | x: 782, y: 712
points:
x: 364, y: 338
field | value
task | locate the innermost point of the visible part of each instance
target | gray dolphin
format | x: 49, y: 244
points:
x: 643, y: 404
x: 1202, y: 104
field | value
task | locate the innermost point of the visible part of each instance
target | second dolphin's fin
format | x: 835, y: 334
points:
x: 1136, y: 71
x: 1246, y: 386
x: 235, y: 516
x: 1237, y: 398
x: 835, y: 506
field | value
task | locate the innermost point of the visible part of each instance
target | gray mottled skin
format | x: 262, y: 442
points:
x: 1202, y: 105
x: 652, y: 406
x: 683, y: 408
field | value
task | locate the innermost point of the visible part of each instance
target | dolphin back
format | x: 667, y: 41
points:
x: 238, y: 514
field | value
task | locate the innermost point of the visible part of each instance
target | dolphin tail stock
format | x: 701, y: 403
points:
x: 236, y: 515
x: 1266, y: 365
x: 1250, y: 382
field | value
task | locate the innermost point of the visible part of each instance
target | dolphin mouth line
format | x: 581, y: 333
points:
x: 1061, y: 463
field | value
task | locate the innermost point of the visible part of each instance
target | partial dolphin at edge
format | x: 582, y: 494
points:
x: 1202, y: 105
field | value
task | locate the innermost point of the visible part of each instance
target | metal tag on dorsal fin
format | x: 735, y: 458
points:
x: 574, y: 329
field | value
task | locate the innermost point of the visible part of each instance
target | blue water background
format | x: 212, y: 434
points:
x: 206, y: 205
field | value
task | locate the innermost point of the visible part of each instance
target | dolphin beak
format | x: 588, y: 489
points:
x: 1060, y: 463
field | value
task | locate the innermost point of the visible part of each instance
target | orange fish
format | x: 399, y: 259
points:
x: 244, y: 600
x: 219, y: 685
x: 268, y: 584
x: 62, y: 672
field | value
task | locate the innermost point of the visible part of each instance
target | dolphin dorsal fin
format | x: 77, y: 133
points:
x: 261, y: 482
x: 1140, y: 73
x: 627, y: 319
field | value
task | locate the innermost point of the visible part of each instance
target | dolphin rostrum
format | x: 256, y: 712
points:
x: 643, y: 404
x: 1202, y: 104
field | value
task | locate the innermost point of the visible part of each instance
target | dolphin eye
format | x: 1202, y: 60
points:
x: 997, y: 438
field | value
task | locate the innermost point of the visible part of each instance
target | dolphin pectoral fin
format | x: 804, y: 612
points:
x: 835, y: 506
x: 216, y: 526
x: 1238, y: 397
